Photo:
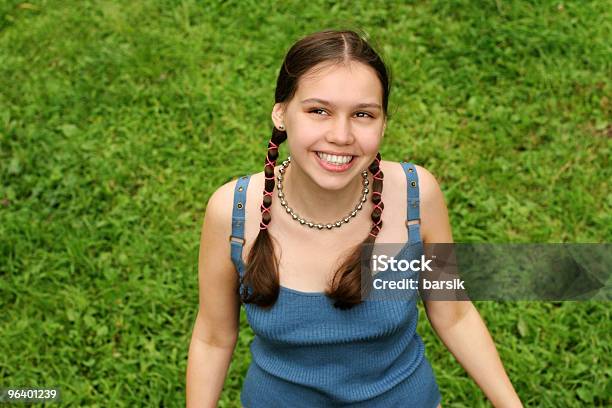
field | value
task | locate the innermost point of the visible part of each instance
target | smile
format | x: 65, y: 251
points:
x: 334, y: 159
x: 334, y: 162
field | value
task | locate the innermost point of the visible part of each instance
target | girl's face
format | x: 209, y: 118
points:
x: 334, y: 123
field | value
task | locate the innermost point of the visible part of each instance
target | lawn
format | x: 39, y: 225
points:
x: 118, y: 120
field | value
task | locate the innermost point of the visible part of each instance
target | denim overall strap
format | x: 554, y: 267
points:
x: 412, y: 180
x: 238, y: 219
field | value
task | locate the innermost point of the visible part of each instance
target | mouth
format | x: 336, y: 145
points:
x: 335, y: 162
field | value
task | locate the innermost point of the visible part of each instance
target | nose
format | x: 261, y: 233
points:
x: 341, y: 132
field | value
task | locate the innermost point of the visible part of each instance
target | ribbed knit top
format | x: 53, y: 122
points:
x: 307, y: 353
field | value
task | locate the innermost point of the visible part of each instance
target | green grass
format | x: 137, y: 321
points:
x: 119, y: 120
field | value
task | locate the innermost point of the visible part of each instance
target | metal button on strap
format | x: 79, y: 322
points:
x: 239, y: 205
x: 240, y: 188
x: 413, y: 183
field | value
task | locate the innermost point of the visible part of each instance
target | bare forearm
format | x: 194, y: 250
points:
x: 206, y: 370
x: 470, y: 342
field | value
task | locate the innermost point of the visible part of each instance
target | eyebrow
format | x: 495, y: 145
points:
x: 359, y: 105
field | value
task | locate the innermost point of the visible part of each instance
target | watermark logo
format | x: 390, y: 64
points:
x: 382, y: 263
x: 485, y: 271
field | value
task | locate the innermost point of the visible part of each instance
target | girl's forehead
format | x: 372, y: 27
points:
x: 356, y: 83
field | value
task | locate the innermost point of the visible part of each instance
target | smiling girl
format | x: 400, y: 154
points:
x: 293, y: 258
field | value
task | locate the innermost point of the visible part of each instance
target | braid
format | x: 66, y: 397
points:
x: 277, y: 138
x: 377, y: 186
x: 261, y: 273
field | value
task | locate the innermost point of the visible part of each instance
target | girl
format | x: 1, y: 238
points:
x: 317, y: 343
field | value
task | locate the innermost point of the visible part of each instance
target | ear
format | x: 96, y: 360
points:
x: 278, y: 114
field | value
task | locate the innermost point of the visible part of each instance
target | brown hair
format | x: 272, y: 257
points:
x: 260, y: 281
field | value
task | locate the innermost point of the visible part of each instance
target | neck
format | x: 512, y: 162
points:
x: 317, y: 204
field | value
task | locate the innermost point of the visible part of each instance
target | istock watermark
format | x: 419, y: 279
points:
x: 383, y: 263
x: 501, y: 272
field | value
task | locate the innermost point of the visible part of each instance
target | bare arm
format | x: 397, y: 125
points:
x: 216, y: 327
x: 458, y: 323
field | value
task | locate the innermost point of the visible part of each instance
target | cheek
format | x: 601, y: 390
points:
x: 302, y: 140
x: 370, y: 145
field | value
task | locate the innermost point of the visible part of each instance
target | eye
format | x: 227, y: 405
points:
x: 322, y: 110
x: 316, y: 110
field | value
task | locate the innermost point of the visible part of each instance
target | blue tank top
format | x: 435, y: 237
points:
x: 307, y: 353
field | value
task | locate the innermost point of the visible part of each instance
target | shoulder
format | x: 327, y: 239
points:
x: 217, y: 216
x: 433, y: 211
x: 222, y: 198
x: 219, y: 206
x: 220, y: 201
x: 435, y: 225
x: 429, y: 187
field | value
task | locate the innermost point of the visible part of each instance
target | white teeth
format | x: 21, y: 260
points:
x: 333, y: 159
